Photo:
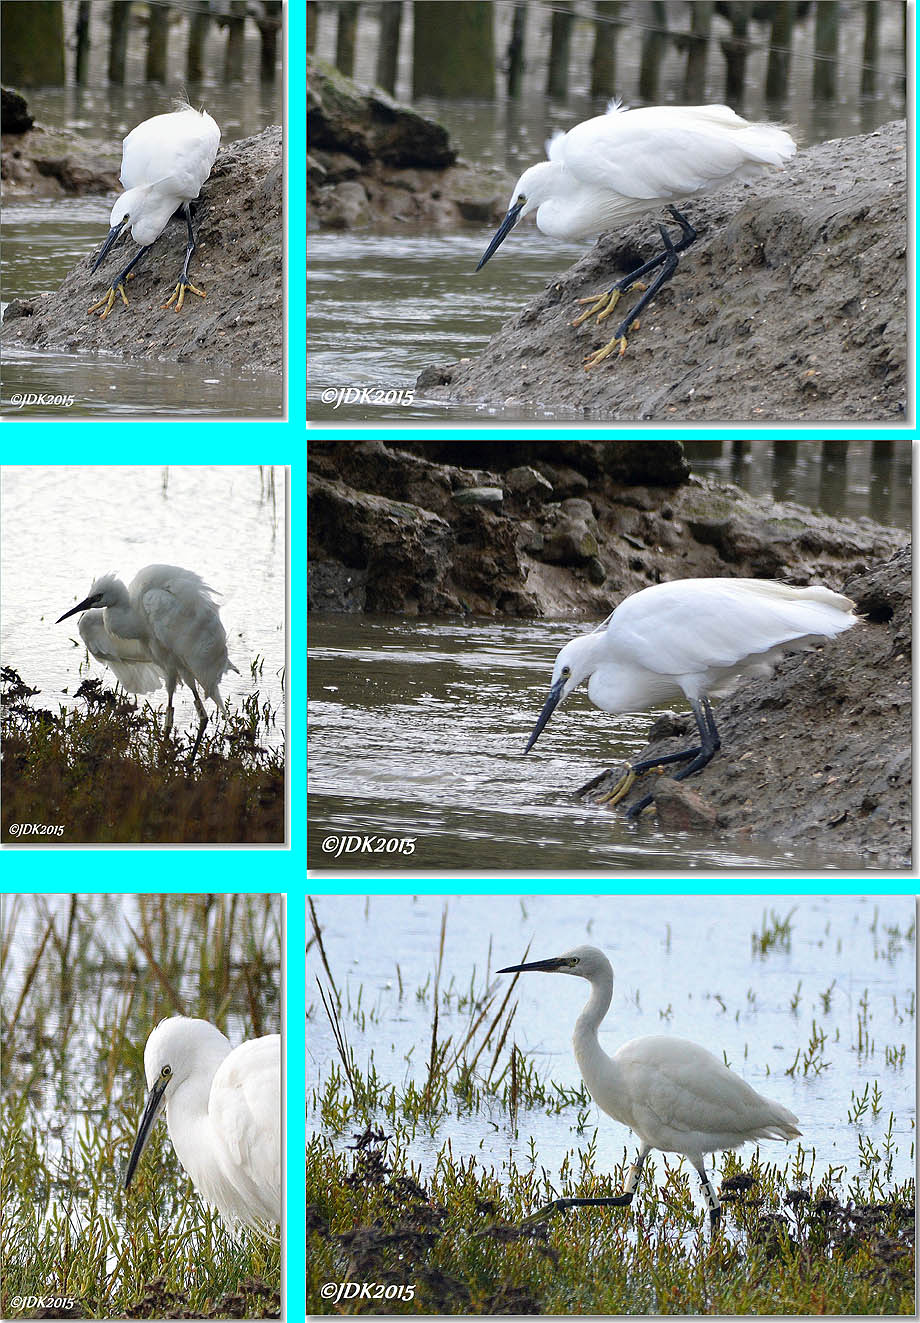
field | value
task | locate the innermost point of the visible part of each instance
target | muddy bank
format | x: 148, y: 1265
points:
x: 238, y: 264
x: 375, y: 161
x: 819, y: 754
x: 791, y: 305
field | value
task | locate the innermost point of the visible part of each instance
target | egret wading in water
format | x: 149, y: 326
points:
x: 223, y: 1113
x: 164, y: 163
x: 674, y: 1095
x: 163, y: 629
x: 611, y: 169
x: 696, y: 638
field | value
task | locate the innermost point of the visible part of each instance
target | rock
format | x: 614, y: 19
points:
x: 526, y: 482
x: 407, y: 168
x: 681, y: 808
x: 491, y: 496
x: 14, y: 112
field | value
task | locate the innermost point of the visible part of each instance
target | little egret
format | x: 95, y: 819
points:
x: 674, y: 1095
x: 164, y: 163
x: 223, y: 1113
x: 163, y: 629
x: 695, y: 637
x: 610, y: 169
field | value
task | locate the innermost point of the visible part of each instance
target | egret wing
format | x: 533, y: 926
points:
x: 129, y: 659
x: 245, y: 1110
x: 183, y: 621
x: 667, y: 152
x: 694, y: 625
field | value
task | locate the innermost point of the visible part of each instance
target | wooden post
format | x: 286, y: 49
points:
x: 464, y: 66
x: 516, y: 50
x: 697, y: 51
x: 198, y: 26
x: 827, y: 20
x: 346, y: 28
x: 82, y: 41
x: 120, y: 16
x: 157, y: 61
x: 269, y: 25
x: 388, y: 45
x: 236, y: 49
x: 560, y: 44
x: 32, y: 54
x: 870, y: 48
x: 654, y: 40
x: 735, y: 50
x: 604, y: 57
x: 780, y: 58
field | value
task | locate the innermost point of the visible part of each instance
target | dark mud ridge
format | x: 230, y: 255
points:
x: 791, y: 305
x: 373, y: 160
x: 237, y: 221
x: 819, y: 754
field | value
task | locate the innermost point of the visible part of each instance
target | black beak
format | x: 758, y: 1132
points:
x: 549, y: 707
x: 501, y: 233
x: 87, y: 601
x: 546, y: 966
x: 151, y: 1112
x: 114, y: 232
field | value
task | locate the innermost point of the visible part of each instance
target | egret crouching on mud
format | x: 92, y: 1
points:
x: 163, y: 629
x: 164, y: 163
x: 611, y: 169
x: 674, y: 1095
x: 223, y: 1113
x: 697, y: 638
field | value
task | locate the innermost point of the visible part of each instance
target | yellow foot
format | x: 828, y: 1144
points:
x: 179, y: 293
x: 616, y: 345
x: 604, y: 305
x: 108, y: 299
x: 620, y: 790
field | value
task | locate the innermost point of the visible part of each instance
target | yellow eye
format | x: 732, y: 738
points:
x: 166, y: 1072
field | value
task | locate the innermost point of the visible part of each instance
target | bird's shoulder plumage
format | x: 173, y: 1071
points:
x: 245, y: 1110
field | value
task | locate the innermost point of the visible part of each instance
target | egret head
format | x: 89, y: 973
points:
x: 106, y: 591
x: 178, y: 1050
x: 119, y: 221
x: 574, y: 663
x: 582, y: 961
x: 534, y: 186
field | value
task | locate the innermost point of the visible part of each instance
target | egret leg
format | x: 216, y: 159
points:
x: 609, y: 1201
x: 709, y: 745
x: 667, y: 259
x: 709, y: 1194
x: 184, y: 283
x: 117, y: 285
x: 202, y: 722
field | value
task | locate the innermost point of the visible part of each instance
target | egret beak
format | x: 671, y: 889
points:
x: 502, y: 232
x: 549, y: 707
x: 151, y: 1112
x: 81, y: 606
x: 114, y: 232
x: 545, y: 966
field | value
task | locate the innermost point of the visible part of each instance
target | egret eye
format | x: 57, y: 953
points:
x: 566, y: 670
x: 166, y: 1072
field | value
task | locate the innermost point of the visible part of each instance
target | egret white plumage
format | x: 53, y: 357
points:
x: 611, y: 169
x: 674, y: 1095
x: 698, y: 638
x: 163, y: 629
x: 164, y: 163
x: 223, y: 1113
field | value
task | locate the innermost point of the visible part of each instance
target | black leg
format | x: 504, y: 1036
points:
x: 604, y: 304
x: 117, y: 284
x: 709, y: 746
x: 183, y: 283
x: 610, y: 1201
x: 709, y: 1194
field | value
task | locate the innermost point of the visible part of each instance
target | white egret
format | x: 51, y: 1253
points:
x: 164, y: 162
x: 223, y: 1113
x: 163, y: 629
x: 694, y: 637
x: 673, y: 1094
x: 611, y: 169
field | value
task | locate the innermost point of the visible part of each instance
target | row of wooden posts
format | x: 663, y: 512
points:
x: 464, y: 65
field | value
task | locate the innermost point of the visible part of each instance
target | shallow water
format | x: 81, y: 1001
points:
x: 683, y: 965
